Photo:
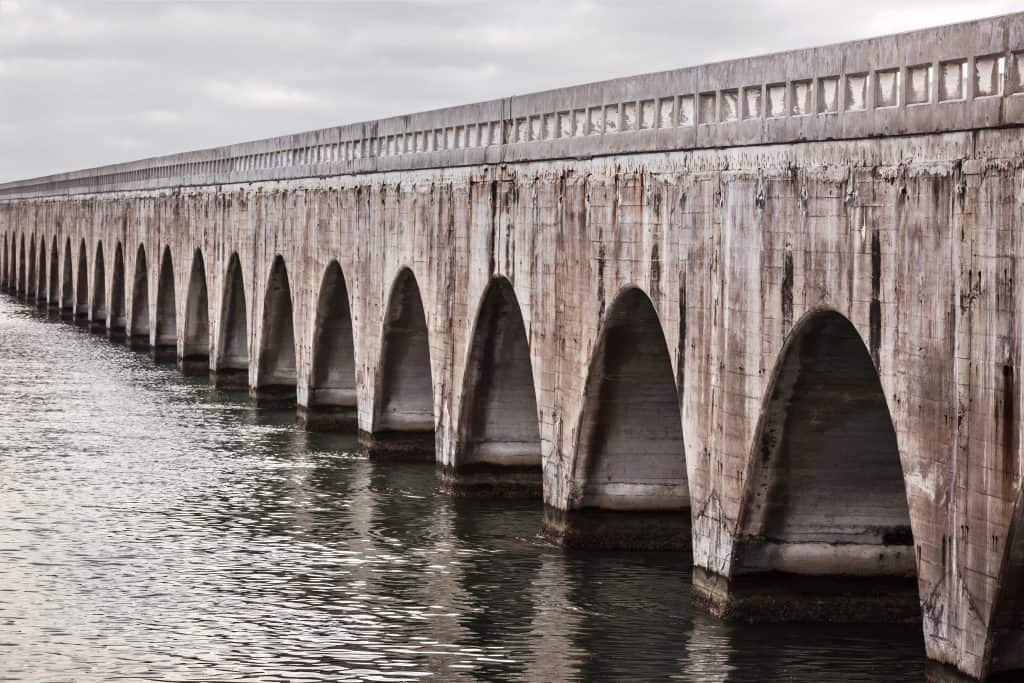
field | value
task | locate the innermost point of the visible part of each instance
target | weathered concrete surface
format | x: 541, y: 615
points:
x: 806, y: 350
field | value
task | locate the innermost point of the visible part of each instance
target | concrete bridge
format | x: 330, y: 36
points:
x: 765, y: 308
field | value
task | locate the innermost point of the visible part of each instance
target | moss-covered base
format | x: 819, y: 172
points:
x: 398, y: 446
x: 482, y: 480
x: 618, y: 529
x: 781, y: 597
x: 339, y: 419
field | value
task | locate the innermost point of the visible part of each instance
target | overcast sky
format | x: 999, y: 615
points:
x: 89, y: 83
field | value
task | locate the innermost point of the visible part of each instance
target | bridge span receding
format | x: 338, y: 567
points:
x: 765, y: 308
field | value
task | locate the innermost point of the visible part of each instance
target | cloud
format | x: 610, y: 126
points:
x: 260, y: 95
x: 89, y: 83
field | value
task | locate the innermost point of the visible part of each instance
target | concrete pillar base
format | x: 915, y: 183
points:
x: 274, y: 396
x: 781, y: 597
x: 229, y: 379
x: 194, y: 367
x: 164, y: 354
x: 618, y: 529
x: 484, y: 480
x: 137, y: 342
x: 390, y: 446
x: 327, y: 418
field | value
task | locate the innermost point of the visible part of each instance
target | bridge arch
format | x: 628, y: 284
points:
x: 332, y: 402
x: 275, y: 373
x: 82, y: 284
x: 53, y: 290
x: 499, y: 447
x: 118, y: 315
x: 139, y: 332
x: 197, y: 313
x: 166, y: 336
x: 232, y: 362
x: 825, y: 493
x: 67, y: 292
x: 98, y: 314
x: 630, y: 486
x: 30, y: 282
x: 404, y: 404
x: 40, y: 285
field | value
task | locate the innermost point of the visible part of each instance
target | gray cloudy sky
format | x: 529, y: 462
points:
x: 89, y: 83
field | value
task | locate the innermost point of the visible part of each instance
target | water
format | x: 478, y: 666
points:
x: 152, y: 529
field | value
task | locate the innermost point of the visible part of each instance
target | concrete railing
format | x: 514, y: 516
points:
x: 959, y: 77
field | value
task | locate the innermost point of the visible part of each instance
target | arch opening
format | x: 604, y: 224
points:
x: 5, y: 267
x: 276, y: 370
x: 98, y: 314
x: 196, y: 347
x: 82, y: 286
x: 40, y: 285
x: 630, y: 483
x: 166, y: 337
x: 404, y: 421
x: 826, y: 511
x: 332, y: 403
x: 53, y: 291
x: 499, y: 448
x: 67, y: 293
x: 232, y: 361
x: 30, y: 283
x: 138, y: 335
x: 118, y: 315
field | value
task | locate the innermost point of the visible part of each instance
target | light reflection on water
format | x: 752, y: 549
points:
x: 154, y: 529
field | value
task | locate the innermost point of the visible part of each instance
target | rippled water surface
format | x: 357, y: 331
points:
x: 154, y: 529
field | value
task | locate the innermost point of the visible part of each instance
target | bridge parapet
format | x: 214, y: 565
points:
x: 967, y: 76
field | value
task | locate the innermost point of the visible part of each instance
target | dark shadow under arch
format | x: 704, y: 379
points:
x: 82, y: 285
x: 232, y: 362
x: 67, y: 292
x: 166, y: 336
x: 332, y: 403
x: 5, y: 266
x: 53, y: 291
x: 276, y: 375
x: 118, y: 309
x: 499, y: 448
x: 1007, y: 630
x: 404, y: 420
x: 630, y: 483
x: 825, y: 528
x: 138, y: 333
x: 196, y: 345
x: 98, y: 314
